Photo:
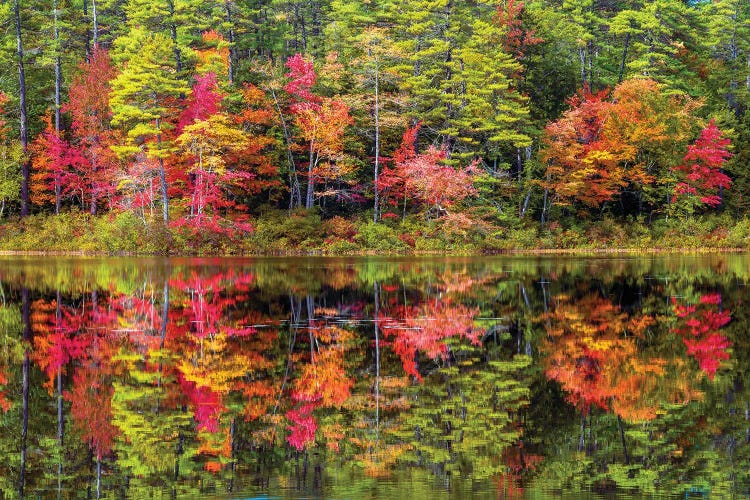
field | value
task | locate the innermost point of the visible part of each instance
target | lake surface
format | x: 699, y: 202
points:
x: 375, y: 377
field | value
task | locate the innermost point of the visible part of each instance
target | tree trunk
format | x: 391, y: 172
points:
x: 582, y: 57
x: 95, y: 22
x: 23, y: 130
x: 376, y: 215
x: 310, y: 178
x: 98, y: 476
x: 525, y: 204
x: 173, y: 34
x: 295, y: 196
x: 624, y: 58
x: 230, y: 39
x: 58, y: 85
x: 162, y: 178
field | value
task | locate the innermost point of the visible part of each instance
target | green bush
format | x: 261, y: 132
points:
x: 279, y: 231
x: 431, y: 244
x: 739, y: 234
x: 122, y: 232
x: 379, y: 237
x: 523, y: 238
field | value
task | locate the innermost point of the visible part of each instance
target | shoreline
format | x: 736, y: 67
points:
x: 584, y: 252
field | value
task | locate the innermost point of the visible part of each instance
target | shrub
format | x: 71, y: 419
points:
x: 739, y: 234
x: 341, y: 247
x: 379, y: 237
x: 278, y: 231
x: 340, y: 228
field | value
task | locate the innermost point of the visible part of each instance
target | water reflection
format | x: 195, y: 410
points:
x: 363, y: 377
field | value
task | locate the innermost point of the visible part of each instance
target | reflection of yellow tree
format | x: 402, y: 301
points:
x: 369, y: 436
x: 322, y: 383
x: 324, y: 377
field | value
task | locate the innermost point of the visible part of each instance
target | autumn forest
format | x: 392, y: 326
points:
x: 340, y: 126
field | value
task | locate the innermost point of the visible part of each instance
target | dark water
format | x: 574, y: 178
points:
x: 365, y: 378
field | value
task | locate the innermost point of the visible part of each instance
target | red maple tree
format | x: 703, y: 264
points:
x: 702, y: 167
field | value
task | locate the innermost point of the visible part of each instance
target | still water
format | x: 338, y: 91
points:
x: 375, y: 377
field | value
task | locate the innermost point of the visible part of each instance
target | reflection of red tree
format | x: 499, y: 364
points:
x: 207, y: 305
x: 699, y: 327
x: 56, y: 342
x: 219, y: 348
x: 91, y: 407
x: 303, y: 426
x: 206, y: 403
x: 518, y: 463
x: 426, y: 328
x: 597, y: 364
x: 5, y: 404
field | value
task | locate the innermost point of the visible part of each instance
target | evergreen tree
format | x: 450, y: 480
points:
x: 460, y: 79
x: 144, y: 100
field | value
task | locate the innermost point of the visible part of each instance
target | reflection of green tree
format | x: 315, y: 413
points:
x: 152, y: 443
x: 11, y: 356
x: 463, y: 416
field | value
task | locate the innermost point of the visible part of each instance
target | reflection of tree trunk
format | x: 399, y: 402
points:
x: 377, y: 361
x: 26, y: 317
x: 527, y: 303
x: 622, y: 438
x: 165, y: 312
x: 98, y: 477
x: 310, y: 318
x: 582, y: 439
x: 163, y: 333
x: 232, y: 462
x: 294, y: 319
x: 544, y: 297
x: 519, y: 335
x: 60, y: 419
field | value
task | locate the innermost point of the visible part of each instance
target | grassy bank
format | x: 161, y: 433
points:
x: 303, y: 233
